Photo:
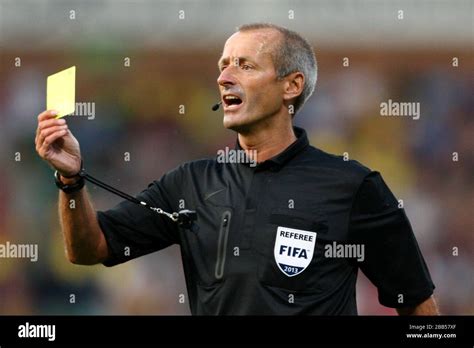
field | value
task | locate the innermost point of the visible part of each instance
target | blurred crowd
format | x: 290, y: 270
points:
x: 428, y: 164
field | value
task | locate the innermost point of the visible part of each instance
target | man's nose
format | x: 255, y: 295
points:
x: 226, y: 78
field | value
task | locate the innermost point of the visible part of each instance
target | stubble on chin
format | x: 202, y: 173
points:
x: 243, y: 126
x: 232, y: 124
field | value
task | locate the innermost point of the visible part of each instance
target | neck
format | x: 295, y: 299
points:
x: 267, y: 142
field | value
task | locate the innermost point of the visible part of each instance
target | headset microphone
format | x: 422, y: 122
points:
x: 216, y: 106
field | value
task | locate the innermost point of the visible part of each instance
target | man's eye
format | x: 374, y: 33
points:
x: 223, y: 67
x: 246, y: 67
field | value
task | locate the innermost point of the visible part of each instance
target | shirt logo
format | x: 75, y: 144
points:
x: 293, y: 250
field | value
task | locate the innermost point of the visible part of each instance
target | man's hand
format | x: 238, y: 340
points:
x: 56, y: 144
x: 427, y: 307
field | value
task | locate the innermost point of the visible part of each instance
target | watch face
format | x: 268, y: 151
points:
x: 57, y: 179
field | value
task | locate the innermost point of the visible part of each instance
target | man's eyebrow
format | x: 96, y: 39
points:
x: 245, y: 59
x: 222, y: 61
x: 225, y: 60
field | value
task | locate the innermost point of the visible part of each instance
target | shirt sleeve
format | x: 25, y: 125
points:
x: 131, y: 230
x: 393, y: 260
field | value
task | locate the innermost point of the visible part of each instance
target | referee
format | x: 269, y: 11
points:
x: 282, y: 232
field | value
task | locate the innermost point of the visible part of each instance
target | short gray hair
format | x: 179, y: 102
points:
x: 293, y: 54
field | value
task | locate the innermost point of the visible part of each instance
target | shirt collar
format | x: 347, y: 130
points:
x: 290, y: 152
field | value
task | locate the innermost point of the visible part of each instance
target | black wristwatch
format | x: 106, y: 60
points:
x: 69, y: 188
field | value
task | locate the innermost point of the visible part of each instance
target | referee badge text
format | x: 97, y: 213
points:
x: 293, y: 250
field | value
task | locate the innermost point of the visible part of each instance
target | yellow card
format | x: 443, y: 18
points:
x: 61, y: 92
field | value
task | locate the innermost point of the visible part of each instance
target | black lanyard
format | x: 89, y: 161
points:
x: 184, y: 218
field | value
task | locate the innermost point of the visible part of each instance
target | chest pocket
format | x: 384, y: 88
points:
x: 206, y: 248
x: 290, y: 250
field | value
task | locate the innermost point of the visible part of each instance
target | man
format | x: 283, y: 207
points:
x: 285, y: 236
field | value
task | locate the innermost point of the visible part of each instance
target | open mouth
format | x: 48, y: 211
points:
x: 231, y: 101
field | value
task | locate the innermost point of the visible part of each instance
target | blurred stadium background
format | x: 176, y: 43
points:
x: 173, y: 62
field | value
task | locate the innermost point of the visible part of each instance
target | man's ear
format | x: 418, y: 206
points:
x: 293, y: 85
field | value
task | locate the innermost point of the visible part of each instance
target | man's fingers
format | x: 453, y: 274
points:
x: 52, y: 138
x: 47, y: 123
x: 47, y: 114
x: 50, y: 122
x: 50, y: 130
x: 43, y: 133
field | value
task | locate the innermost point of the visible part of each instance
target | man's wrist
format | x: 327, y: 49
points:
x: 69, y: 184
x: 69, y: 180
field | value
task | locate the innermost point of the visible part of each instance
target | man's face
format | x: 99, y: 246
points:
x: 250, y: 91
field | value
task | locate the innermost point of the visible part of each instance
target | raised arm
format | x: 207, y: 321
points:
x: 84, y: 240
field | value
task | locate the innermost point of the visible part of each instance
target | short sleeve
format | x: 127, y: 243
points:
x: 393, y: 260
x: 131, y: 230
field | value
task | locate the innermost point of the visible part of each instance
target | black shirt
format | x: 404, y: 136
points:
x: 268, y: 238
